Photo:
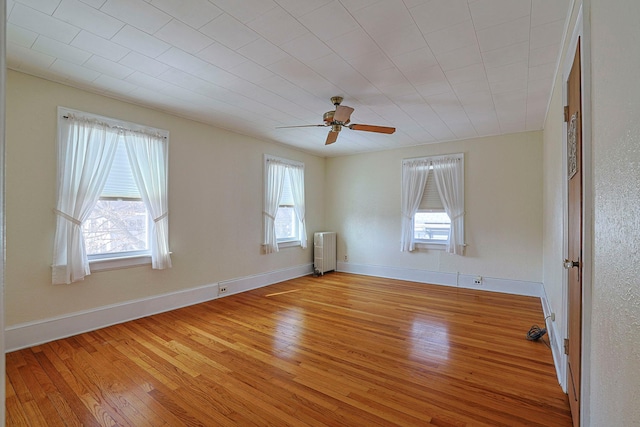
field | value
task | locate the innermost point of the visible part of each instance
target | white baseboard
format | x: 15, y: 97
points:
x: 242, y: 284
x: 33, y: 333
x: 493, y: 284
x: 556, y: 343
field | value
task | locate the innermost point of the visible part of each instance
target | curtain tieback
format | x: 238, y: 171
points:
x: 68, y: 217
x: 460, y: 215
x: 161, y: 217
x: 269, y: 215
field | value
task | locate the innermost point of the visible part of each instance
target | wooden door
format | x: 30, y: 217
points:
x: 573, y: 348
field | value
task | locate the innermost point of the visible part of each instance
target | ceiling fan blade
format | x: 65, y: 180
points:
x: 300, y: 126
x: 331, y: 138
x: 372, y: 128
x: 342, y: 114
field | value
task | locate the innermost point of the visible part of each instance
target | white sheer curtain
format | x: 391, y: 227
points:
x: 448, y: 174
x: 414, y: 178
x: 148, y: 156
x: 273, y: 191
x: 296, y: 173
x: 86, y: 150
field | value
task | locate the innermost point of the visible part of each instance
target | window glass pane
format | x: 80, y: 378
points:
x: 286, y: 223
x: 433, y: 226
x: 117, y: 226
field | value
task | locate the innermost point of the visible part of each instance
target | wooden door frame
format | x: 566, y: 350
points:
x: 581, y: 30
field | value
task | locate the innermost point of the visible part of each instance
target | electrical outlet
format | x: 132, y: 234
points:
x: 346, y: 258
x: 552, y: 316
x: 477, y: 280
x: 222, y: 290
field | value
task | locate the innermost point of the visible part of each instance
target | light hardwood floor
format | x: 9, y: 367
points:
x: 338, y: 350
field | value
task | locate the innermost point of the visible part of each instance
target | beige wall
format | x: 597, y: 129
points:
x: 215, y: 205
x: 615, y: 103
x: 503, y: 203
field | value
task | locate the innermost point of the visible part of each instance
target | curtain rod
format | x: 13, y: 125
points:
x: 118, y: 127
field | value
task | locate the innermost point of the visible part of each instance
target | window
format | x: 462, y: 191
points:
x: 431, y: 224
x: 433, y: 203
x: 119, y: 223
x: 287, y: 224
x: 284, y: 207
x: 111, y: 196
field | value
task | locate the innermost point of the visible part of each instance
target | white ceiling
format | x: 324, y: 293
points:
x: 437, y: 70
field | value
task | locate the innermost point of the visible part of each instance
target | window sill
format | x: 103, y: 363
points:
x: 105, y: 264
x: 430, y: 245
x: 290, y: 244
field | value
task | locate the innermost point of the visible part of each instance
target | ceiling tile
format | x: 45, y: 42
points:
x: 544, y: 71
x: 544, y: 55
x: 24, y: 58
x: 298, y: 8
x: 251, y: 72
x: 88, y: 18
x: 277, y: 26
x: 489, y: 13
x: 45, y: 6
x: 263, y: 52
x: 452, y: 38
x: 42, y: 23
x: 438, y: 15
x: 517, y: 70
x: 94, y: 3
x: 229, y: 31
x: 353, y: 44
x: 181, y: 60
x: 506, y: 55
x: 545, y: 11
x: 140, y: 41
x: 99, y: 46
x: 198, y: 12
x: 137, y: 13
x: 113, y: 69
x: 546, y: 34
x: 74, y: 71
x: 460, y: 58
x: 113, y: 85
x: 221, y: 56
x: 246, y: 10
x: 61, y: 50
x: 329, y: 21
x: 307, y: 48
x: 182, y: 36
x: 472, y: 73
x: 140, y: 62
x: 21, y: 36
x: 391, y: 26
x: 503, y: 35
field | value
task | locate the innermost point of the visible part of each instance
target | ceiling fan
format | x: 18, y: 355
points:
x: 340, y: 117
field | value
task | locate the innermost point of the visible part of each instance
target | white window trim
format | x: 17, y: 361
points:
x: 267, y: 157
x: 105, y: 262
x: 421, y: 243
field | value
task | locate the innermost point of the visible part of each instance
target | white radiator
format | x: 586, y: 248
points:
x: 324, y: 251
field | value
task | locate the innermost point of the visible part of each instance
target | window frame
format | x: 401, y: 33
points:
x: 284, y: 242
x: 430, y: 243
x: 102, y: 262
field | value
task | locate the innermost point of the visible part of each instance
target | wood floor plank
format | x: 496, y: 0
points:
x: 338, y: 350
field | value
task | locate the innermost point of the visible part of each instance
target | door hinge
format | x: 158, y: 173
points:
x: 566, y: 346
x: 566, y: 113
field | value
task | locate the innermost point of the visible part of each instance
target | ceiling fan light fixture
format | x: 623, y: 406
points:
x: 340, y: 117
